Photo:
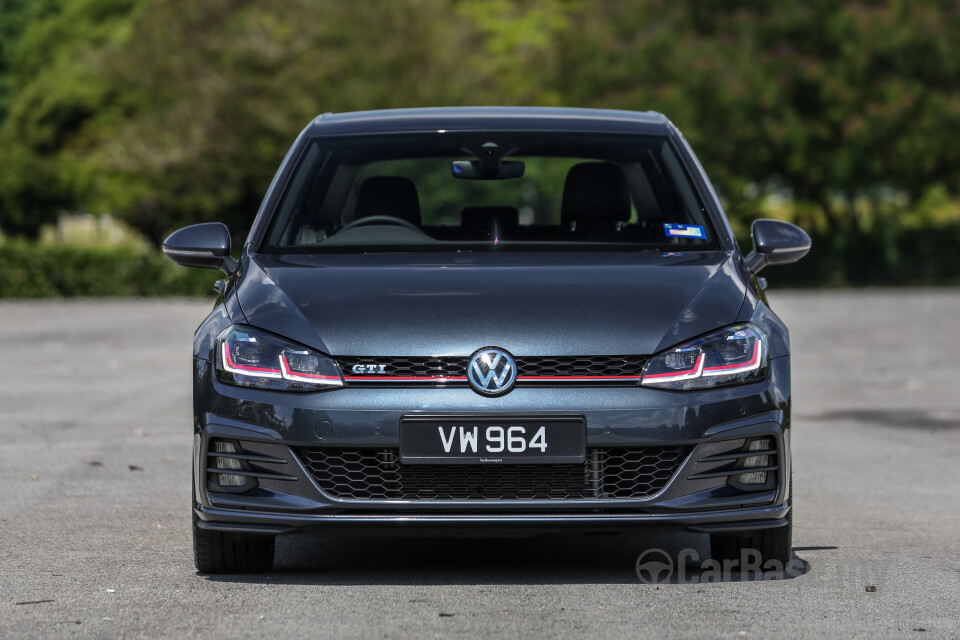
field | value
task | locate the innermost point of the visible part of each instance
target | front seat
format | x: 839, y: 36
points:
x: 388, y: 196
x: 595, y: 198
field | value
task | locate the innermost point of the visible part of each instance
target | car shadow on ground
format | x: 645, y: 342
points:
x: 537, y: 560
x: 930, y: 420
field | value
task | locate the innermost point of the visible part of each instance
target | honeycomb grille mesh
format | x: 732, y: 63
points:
x: 377, y: 474
x: 580, y: 365
x: 527, y: 366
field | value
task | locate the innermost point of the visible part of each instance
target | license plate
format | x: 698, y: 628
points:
x: 464, y: 440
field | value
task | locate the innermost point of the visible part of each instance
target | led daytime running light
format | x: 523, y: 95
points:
x: 288, y: 374
x: 738, y: 368
x: 734, y: 355
x: 689, y: 374
x: 260, y: 373
x: 232, y: 367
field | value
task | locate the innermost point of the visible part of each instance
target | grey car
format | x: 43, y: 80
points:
x: 465, y: 320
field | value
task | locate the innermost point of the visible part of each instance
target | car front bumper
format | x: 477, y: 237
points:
x: 285, y: 495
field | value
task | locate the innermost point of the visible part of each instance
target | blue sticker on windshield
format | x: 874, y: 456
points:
x: 684, y: 230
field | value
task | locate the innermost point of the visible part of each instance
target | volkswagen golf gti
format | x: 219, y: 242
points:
x: 471, y: 320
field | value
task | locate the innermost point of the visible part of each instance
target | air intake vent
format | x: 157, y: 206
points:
x: 377, y: 474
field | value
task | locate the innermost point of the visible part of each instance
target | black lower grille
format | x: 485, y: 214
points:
x: 377, y: 474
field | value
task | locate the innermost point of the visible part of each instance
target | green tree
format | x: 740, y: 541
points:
x: 56, y: 90
x: 15, y: 17
x: 167, y: 112
x: 182, y: 111
x: 832, y: 101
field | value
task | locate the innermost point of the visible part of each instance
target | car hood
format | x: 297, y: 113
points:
x: 527, y: 303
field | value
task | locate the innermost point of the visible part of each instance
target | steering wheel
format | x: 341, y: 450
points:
x: 368, y: 220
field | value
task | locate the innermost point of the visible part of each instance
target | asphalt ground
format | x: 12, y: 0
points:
x: 95, y: 446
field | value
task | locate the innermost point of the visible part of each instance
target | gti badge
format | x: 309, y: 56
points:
x: 491, y: 371
x: 369, y: 368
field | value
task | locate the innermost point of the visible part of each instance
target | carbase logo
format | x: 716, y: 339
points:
x: 656, y: 566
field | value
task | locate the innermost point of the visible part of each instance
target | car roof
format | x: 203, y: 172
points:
x: 489, y: 119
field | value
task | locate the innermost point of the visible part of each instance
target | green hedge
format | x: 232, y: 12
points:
x: 29, y: 270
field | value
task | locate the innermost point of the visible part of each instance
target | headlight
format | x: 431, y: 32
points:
x: 253, y: 358
x: 735, y: 355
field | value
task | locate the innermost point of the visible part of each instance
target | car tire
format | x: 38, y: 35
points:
x: 219, y: 552
x: 772, y: 544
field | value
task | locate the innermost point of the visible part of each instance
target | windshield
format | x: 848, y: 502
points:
x: 489, y: 191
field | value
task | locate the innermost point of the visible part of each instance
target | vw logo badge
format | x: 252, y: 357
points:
x: 491, y: 371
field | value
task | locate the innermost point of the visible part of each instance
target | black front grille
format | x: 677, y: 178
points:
x: 377, y: 474
x: 400, y: 366
x: 456, y: 367
x: 598, y: 366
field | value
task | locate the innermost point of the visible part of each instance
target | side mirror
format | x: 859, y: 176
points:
x: 776, y: 242
x: 204, y: 245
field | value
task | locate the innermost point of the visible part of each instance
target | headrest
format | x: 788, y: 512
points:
x: 388, y: 196
x: 595, y: 192
x: 479, y: 220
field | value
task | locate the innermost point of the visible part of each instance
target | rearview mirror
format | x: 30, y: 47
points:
x: 205, y: 245
x: 474, y: 170
x: 776, y: 242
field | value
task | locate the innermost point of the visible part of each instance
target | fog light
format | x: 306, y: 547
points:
x: 228, y: 479
x: 754, y: 477
x: 753, y: 462
x: 757, y: 461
